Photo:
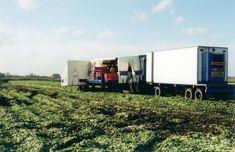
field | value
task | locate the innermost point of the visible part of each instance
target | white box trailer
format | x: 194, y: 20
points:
x: 75, y: 73
x: 190, y: 67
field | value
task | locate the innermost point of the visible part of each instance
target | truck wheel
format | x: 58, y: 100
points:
x: 84, y: 87
x: 102, y: 86
x: 158, y: 91
x: 199, y: 94
x: 93, y: 86
x: 188, y: 93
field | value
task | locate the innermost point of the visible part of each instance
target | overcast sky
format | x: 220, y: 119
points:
x: 39, y: 36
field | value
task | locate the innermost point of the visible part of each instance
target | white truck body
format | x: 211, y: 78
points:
x: 179, y: 66
x: 74, y: 72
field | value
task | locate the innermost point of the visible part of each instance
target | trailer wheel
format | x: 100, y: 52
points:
x: 188, y: 93
x: 158, y: 91
x: 199, y: 94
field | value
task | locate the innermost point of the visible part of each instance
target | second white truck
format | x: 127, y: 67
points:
x: 197, y: 71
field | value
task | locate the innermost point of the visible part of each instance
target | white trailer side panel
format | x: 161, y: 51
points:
x: 75, y: 71
x: 149, y: 67
x: 177, y: 66
x: 64, y: 77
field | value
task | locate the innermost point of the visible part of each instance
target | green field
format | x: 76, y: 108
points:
x: 42, y: 116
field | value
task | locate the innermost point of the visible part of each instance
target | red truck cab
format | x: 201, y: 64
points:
x: 103, y: 75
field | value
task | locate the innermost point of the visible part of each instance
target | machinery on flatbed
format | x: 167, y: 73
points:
x: 196, y: 72
x: 104, y: 74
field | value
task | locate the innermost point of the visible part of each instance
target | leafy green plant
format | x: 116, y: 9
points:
x: 43, y: 116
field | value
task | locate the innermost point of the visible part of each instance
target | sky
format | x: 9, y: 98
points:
x: 39, y: 36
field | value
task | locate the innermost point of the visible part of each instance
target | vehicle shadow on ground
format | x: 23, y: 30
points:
x: 217, y: 98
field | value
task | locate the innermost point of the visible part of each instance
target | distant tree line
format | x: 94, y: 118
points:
x: 8, y: 76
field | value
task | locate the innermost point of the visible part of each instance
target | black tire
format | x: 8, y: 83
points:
x: 84, y: 87
x: 199, y: 94
x: 103, y: 86
x: 188, y: 93
x: 158, y: 91
x: 93, y: 86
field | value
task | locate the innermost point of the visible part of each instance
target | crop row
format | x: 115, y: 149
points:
x: 44, y: 116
